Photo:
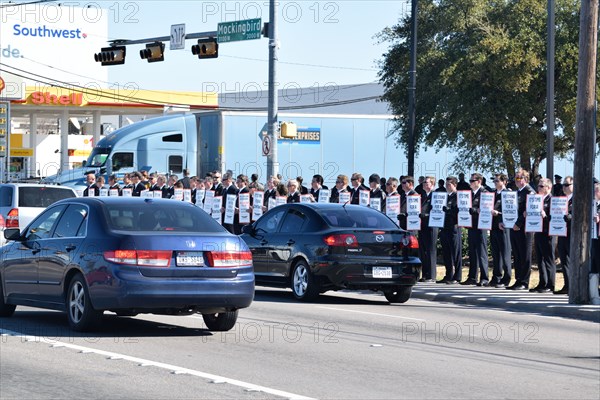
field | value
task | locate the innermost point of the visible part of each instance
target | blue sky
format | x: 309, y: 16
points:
x: 321, y: 43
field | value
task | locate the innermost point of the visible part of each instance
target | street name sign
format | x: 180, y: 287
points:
x: 234, y: 31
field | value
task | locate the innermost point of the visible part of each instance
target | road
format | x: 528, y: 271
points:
x: 347, y: 345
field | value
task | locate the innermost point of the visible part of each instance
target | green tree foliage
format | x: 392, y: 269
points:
x: 481, y: 80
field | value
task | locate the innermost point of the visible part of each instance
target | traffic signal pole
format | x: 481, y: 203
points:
x: 272, y: 112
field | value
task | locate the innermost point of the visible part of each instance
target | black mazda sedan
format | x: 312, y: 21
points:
x: 316, y: 247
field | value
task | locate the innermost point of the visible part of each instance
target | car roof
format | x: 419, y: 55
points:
x: 18, y: 184
x: 98, y: 200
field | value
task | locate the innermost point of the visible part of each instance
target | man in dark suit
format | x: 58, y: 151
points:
x: 428, y: 235
x: 229, y: 189
x: 293, y: 192
x: 187, y: 184
x: 217, y: 185
x: 564, y: 242
x: 138, y: 186
x: 161, y: 185
x: 315, y: 187
x: 376, y: 191
x: 521, y: 241
x: 462, y: 184
x: 451, y: 236
x: 113, y: 184
x: 477, y: 238
x: 407, y: 183
x: 557, y: 188
x: 92, y: 188
x: 500, y: 238
x: 357, y: 182
x: 301, y: 188
x: 543, y: 242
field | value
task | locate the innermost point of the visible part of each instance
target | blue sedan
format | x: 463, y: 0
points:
x: 126, y: 255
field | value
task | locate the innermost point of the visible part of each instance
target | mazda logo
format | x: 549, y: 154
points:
x: 379, y: 238
x: 190, y: 243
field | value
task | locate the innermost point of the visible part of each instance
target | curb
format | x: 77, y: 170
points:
x: 520, y: 301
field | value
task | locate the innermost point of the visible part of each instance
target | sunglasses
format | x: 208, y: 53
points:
x: 497, y: 180
x: 404, y: 182
x: 336, y: 182
x: 473, y: 180
x: 518, y: 178
x: 353, y: 179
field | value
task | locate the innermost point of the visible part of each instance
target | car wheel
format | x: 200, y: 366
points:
x: 400, y: 295
x: 82, y: 316
x: 304, y: 284
x: 6, y: 310
x: 220, y: 322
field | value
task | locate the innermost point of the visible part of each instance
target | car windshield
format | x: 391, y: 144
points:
x: 346, y: 217
x: 42, y: 196
x: 163, y: 217
x: 98, y: 157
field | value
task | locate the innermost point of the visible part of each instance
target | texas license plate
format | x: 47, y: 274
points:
x: 382, y: 272
x: 190, y: 259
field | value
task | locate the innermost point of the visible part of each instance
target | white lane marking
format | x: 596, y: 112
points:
x: 172, y: 368
x: 369, y: 313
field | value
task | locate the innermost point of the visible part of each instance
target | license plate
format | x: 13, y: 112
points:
x: 190, y: 259
x: 382, y: 272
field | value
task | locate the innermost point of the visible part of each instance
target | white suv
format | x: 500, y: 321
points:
x: 20, y: 203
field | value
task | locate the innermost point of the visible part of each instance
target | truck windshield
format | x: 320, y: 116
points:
x: 98, y: 157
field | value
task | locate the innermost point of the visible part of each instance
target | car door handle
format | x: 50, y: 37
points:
x: 290, y: 242
x: 263, y: 242
x: 70, y: 247
x: 35, y: 251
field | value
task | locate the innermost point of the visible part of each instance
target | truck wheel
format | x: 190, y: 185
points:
x: 82, y: 316
x: 220, y: 322
x: 400, y: 295
x: 304, y: 285
x: 6, y: 310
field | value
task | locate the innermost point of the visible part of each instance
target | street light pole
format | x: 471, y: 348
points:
x: 272, y: 112
x: 412, y: 89
x: 550, y: 92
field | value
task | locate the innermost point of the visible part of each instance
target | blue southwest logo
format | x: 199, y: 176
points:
x: 45, y: 32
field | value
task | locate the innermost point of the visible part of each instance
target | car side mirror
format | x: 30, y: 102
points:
x: 248, y: 229
x: 12, y: 234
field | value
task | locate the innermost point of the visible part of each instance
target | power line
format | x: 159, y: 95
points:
x: 11, y: 4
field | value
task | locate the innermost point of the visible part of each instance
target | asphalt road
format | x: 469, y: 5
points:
x: 346, y: 346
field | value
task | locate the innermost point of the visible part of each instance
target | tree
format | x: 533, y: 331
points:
x: 481, y: 86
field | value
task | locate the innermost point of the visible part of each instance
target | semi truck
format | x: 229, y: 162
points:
x: 232, y: 140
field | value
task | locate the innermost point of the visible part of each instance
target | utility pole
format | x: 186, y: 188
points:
x: 272, y: 113
x: 585, y: 146
x: 550, y: 92
x: 412, y: 89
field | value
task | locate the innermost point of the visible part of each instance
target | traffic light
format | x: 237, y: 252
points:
x: 288, y: 130
x: 153, y: 52
x: 206, y: 48
x: 113, y: 55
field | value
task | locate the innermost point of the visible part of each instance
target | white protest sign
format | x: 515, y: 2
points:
x: 437, y: 214
x: 534, y: 220
x: 413, y: 209
x: 486, y: 205
x: 464, y: 202
x: 558, y: 210
x: 510, y: 209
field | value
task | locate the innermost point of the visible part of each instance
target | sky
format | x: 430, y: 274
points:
x: 321, y: 43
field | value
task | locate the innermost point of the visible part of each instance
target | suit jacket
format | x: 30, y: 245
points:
x: 303, y: 190
x: 403, y: 211
x: 186, y: 182
x: 496, y: 219
x: 475, y: 206
x: 425, y: 209
x: 94, y: 188
x: 231, y: 190
x: 522, y: 204
x: 546, y: 219
x: 451, y: 211
x: 355, y: 192
x: 379, y: 194
x: 164, y: 190
x: 137, y: 189
x: 218, y: 189
x: 294, y: 197
x: 115, y: 187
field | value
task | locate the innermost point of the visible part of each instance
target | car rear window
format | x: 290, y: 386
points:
x: 42, y: 196
x: 346, y: 217
x: 163, y: 217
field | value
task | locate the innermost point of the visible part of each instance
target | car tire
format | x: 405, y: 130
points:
x: 6, y: 310
x: 82, y: 316
x: 399, y: 295
x: 220, y: 322
x: 304, y: 285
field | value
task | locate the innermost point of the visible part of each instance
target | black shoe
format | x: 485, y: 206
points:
x: 499, y: 285
x: 535, y: 289
x: 442, y: 281
x: 452, y: 282
x: 544, y: 290
x: 483, y: 283
x: 564, y: 290
x: 469, y: 282
x: 517, y: 287
x: 429, y: 280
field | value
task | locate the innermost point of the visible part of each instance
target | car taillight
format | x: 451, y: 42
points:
x: 228, y: 259
x: 143, y: 258
x: 409, y: 242
x: 12, y: 218
x: 341, y: 240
